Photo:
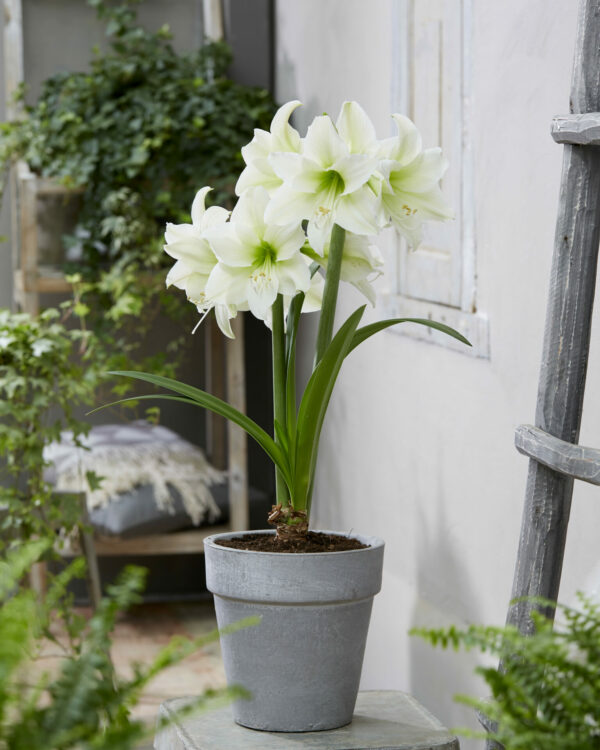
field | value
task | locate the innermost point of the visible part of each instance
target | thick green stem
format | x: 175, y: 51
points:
x: 279, y: 401
x: 330, y: 292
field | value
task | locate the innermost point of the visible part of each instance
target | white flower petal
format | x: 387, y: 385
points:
x: 406, y: 145
x: 286, y: 239
x: 198, y: 204
x: 359, y: 246
x: 286, y: 166
x: 293, y: 276
x: 257, y: 175
x: 176, y: 232
x: 422, y: 206
x: 227, y: 285
x: 357, y: 130
x: 214, y: 216
x: 250, y: 209
x: 228, y: 247
x: 259, y: 147
x: 408, y: 224
x: 288, y: 206
x: 195, y: 252
x: 319, y: 233
x: 314, y: 295
x: 358, y: 212
x: 421, y: 174
x: 177, y: 274
x: 195, y: 288
x: 262, y: 291
x: 323, y: 144
x: 285, y: 137
x: 364, y: 287
x: 223, y: 315
x: 355, y: 170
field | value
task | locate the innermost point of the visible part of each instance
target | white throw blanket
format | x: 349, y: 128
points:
x: 126, y: 456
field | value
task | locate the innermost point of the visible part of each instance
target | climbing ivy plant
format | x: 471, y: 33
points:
x: 139, y: 132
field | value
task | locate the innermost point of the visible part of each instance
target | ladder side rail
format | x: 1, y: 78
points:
x: 566, y: 338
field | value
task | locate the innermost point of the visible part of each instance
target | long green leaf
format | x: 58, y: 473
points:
x: 208, y: 401
x: 314, y: 406
x: 367, y: 331
x: 293, y: 321
x: 282, y: 493
x: 330, y: 291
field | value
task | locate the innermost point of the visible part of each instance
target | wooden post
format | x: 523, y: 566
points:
x: 13, y: 77
x: 213, y: 20
x: 566, y: 338
x: 27, y: 275
x: 13, y: 55
x: 236, y: 437
x: 216, y: 428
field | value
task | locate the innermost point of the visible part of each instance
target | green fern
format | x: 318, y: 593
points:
x: 86, y: 706
x: 548, y: 696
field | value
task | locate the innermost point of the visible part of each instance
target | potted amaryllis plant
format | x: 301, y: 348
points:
x: 305, y: 212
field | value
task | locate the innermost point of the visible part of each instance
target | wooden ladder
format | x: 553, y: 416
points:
x: 555, y: 457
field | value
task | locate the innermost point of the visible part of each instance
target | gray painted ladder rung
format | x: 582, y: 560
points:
x: 577, y: 130
x: 567, y: 458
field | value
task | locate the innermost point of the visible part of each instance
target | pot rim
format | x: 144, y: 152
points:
x: 374, y: 542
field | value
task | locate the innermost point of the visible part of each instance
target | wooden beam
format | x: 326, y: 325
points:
x: 566, y: 458
x: 177, y: 543
x: 582, y: 130
x: 44, y: 282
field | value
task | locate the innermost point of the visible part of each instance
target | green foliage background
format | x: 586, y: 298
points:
x: 140, y: 133
x: 46, y: 372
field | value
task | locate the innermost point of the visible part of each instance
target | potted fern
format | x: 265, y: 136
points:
x: 306, y: 208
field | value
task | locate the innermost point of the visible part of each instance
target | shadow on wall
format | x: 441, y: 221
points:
x: 444, y: 597
x: 286, y: 89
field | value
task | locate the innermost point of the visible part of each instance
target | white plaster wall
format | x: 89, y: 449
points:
x: 418, y: 443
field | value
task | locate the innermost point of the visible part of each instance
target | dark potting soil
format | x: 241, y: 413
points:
x: 315, y: 542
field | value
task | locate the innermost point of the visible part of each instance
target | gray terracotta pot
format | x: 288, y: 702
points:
x: 302, y: 663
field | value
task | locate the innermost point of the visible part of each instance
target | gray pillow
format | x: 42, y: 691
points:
x: 135, y: 513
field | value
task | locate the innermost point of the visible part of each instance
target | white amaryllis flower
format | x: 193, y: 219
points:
x: 410, y: 191
x: 362, y: 263
x: 257, y: 260
x: 282, y: 138
x: 187, y: 243
x: 327, y: 182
